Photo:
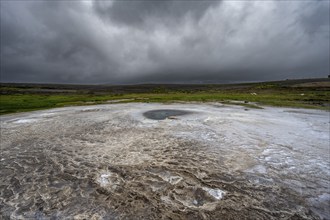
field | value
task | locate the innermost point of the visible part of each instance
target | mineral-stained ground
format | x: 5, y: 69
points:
x: 185, y: 161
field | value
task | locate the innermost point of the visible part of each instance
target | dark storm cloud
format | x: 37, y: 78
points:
x: 163, y: 41
x: 138, y: 13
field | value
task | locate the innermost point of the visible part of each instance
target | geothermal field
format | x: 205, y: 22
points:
x: 164, y: 110
x: 165, y: 161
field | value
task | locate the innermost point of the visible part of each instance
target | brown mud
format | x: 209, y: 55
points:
x: 101, y: 164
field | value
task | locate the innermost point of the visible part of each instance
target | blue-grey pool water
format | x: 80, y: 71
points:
x: 162, y: 114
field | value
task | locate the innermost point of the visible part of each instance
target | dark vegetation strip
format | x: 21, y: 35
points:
x: 307, y: 93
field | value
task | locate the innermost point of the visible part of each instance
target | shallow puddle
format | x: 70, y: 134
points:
x: 163, y: 114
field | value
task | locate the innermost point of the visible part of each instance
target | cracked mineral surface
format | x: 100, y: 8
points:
x: 113, y: 162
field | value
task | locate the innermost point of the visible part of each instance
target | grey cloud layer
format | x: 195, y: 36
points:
x: 139, y: 13
x: 163, y: 41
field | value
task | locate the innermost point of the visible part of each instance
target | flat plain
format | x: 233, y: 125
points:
x: 165, y: 151
x: 304, y: 93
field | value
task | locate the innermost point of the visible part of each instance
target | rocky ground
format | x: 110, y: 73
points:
x: 118, y: 162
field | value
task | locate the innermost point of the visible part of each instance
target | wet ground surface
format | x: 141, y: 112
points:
x: 112, y: 162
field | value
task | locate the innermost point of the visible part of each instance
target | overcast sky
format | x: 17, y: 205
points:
x: 115, y: 42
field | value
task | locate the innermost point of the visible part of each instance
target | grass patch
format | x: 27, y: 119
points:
x: 13, y: 100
